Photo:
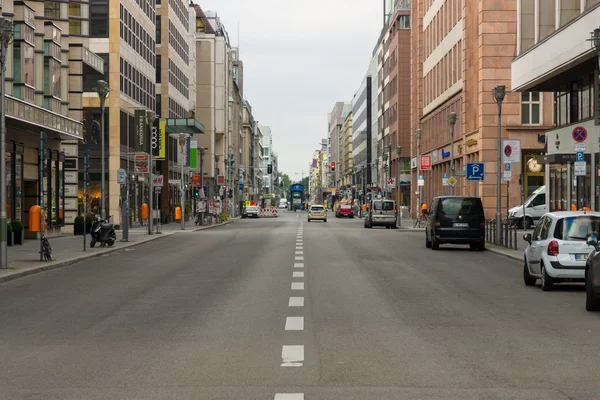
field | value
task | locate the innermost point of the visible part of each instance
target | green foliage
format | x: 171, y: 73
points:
x: 9, y: 228
x: 79, y: 220
x: 17, y: 226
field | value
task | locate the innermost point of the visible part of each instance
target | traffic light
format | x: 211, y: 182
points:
x: 196, y: 192
x: 333, y: 166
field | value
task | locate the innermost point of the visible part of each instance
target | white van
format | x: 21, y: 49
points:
x: 535, y: 208
x: 283, y: 203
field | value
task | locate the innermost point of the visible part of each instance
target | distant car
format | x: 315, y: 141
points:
x: 250, y: 211
x: 558, y: 250
x: 317, y: 212
x: 344, y: 210
x: 455, y: 220
x: 381, y: 213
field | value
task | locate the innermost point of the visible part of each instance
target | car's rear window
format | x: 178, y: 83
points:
x: 577, y: 227
x: 383, y: 205
x: 316, y: 208
x: 461, y: 206
x: 346, y: 207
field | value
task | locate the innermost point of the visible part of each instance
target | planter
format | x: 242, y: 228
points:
x: 18, y: 238
x: 9, y: 239
x: 78, y: 229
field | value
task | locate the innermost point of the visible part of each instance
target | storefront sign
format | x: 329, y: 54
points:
x: 425, y: 164
x: 471, y: 142
x: 158, y: 137
x: 435, y: 156
x: 141, y: 164
x: 141, y: 133
x: 445, y: 154
x: 71, y: 177
x: 221, y: 180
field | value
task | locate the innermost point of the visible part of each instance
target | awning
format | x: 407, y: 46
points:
x: 183, y: 125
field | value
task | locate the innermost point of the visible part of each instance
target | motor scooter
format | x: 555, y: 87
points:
x: 102, y: 232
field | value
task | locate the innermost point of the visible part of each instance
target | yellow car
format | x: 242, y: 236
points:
x: 317, y: 211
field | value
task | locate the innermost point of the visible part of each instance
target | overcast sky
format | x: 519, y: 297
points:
x: 300, y: 57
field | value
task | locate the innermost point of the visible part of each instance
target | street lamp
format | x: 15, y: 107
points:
x: 452, y: 121
x: 103, y: 90
x: 417, y: 134
x: 399, y: 218
x: 595, y: 39
x: 6, y: 36
x: 150, y: 117
x: 499, y: 92
x: 182, y: 143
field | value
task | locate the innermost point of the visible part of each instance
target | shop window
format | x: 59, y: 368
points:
x: 9, y: 191
x: 18, y: 188
x: 530, y: 108
x: 61, y: 194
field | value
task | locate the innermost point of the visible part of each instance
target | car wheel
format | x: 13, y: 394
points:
x: 435, y: 245
x: 527, y: 278
x: 592, y: 303
x: 324, y: 220
x: 427, y: 242
x: 547, y: 281
x: 525, y: 223
x: 309, y: 220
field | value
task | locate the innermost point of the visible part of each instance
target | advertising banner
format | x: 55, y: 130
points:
x: 141, y: 132
x: 158, y: 138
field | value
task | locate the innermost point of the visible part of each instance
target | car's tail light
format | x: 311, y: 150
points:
x: 553, y: 248
x: 437, y: 223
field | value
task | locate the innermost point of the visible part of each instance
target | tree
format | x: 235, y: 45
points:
x: 285, y: 186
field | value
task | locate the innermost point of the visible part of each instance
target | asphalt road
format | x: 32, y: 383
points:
x: 288, y: 310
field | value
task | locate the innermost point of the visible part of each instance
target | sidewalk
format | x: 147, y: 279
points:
x: 66, y: 250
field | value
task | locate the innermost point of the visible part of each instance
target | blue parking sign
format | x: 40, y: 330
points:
x: 475, y: 171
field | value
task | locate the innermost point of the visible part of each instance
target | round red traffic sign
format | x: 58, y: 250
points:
x: 579, y: 134
x: 508, y: 150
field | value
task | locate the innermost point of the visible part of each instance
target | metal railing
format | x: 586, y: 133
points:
x: 508, y: 234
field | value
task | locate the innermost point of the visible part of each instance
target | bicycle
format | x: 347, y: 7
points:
x: 46, y: 249
x: 420, y: 222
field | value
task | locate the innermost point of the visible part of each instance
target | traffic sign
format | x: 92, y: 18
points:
x: 425, y: 164
x: 579, y: 147
x: 507, y: 175
x: 421, y: 181
x: 475, y: 171
x: 579, y: 156
x: 445, y: 180
x: 580, y: 168
x: 121, y: 176
x: 506, y: 167
x: 452, y: 181
x: 579, y: 134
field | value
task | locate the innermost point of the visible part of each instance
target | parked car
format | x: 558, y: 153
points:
x: 558, y: 248
x: 535, y: 208
x: 381, y: 213
x: 592, y: 276
x: 344, y: 210
x: 455, y: 220
x: 317, y: 212
x: 250, y: 212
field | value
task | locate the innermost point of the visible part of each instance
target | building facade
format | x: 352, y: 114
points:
x: 335, y: 121
x: 46, y: 69
x: 460, y: 51
x: 557, y: 54
x: 347, y: 161
x: 267, y: 147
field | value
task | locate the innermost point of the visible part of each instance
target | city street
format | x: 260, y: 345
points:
x: 279, y: 308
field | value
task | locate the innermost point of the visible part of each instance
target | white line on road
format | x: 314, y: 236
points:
x: 300, y: 252
x: 298, y: 274
x: 294, y: 324
x: 298, y: 242
x: 292, y: 356
x: 298, y: 265
x: 289, y: 396
x: 297, y: 285
x: 296, y: 302
x: 299, y: 248
x: 299, y: 258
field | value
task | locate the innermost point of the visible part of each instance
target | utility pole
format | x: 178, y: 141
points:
x: 418, y: 136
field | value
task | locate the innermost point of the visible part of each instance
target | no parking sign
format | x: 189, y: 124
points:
x: 511, y: 151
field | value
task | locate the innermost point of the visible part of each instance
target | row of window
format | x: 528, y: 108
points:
x: 179, y: 43
x: 127, y: 129
x: 446, y: 73
x: 137, y: 86
x: 148, y: 7
x: 443, y: 22
x: 181, y: 11
x: 176, y: 110
x: 178, y: 79
x: 134, y: 34
x: 574, y: 101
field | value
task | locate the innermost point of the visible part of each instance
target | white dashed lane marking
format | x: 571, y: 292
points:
x: 292, y: 356
x: 294, y: 324
x: 289, y: 396
x: 300, y: 252
x: 296, y: 302
x: 298, y: 265
x: 299, y: 258
x: 297, y: 285
x: 298, y: 274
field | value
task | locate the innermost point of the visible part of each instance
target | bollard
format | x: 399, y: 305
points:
x: 515, y: 233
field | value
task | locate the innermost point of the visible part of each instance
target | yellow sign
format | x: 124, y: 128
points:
x: 247, y: 203
x: 269, y: 196
x: 159, y: 141
x: 452, y: 181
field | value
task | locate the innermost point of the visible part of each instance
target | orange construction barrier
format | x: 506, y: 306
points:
x: 145, y: 211
x: 34, y: 219
x: 177, y: 213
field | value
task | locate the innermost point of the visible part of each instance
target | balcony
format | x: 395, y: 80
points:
x: 29, y: 114
x: 92, y: 59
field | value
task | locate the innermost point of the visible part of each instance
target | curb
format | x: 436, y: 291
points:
x: 71, y: 261
x: 503, y: 254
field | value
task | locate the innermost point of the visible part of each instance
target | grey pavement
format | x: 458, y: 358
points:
x: 25, y: 259
x: 208, y: 314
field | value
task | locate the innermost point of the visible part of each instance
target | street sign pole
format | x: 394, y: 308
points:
x: 86, y: 161
x: 122, y: 181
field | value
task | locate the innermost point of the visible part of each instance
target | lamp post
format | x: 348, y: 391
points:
x: 452, y: 122
x: 103, y: 90
x: 150, y: 117
x: 182, y: 143
x: 202, y: 151
x: 499, y: 92
x: 399, y: 218
x: 6, y: 36
x: 417, y: 134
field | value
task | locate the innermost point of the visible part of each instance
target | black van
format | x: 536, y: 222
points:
x: 455, y: 220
